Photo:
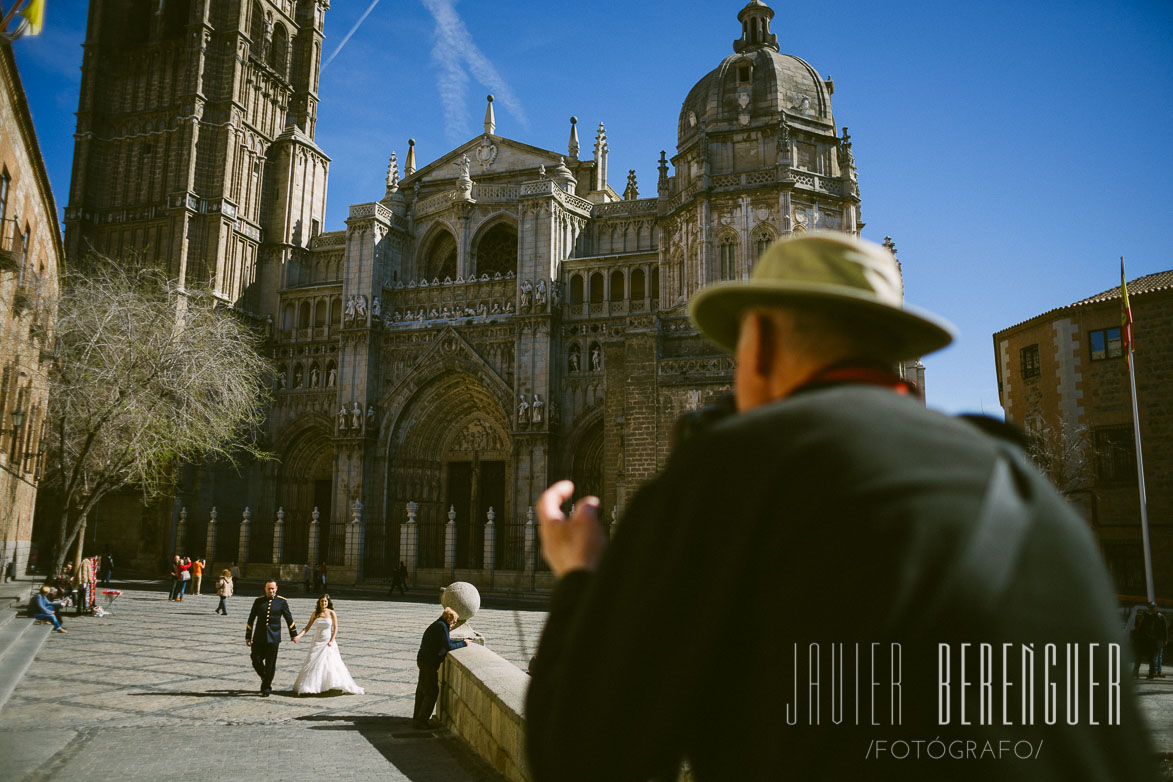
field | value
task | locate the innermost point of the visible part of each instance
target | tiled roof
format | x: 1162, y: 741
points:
x: 1147, y: 284
x: 1150, y: 283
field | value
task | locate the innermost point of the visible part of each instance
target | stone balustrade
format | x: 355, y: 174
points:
x: 482, y: 700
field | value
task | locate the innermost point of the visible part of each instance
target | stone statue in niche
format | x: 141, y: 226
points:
x: 356, y: 418
x: 540, y: 296
x: 536, y: 409
x: 360, y: 305
x: 370, y: 419
x: 297, y: 378
x: 315, y: 376
x: 342, y: 419
x: 523, y: 411
x: 526, y: 294
x: 596, y: 359
x: 348, y: 313
x: 376, y: 308
x: 331, y: 378
x: 575, y: 358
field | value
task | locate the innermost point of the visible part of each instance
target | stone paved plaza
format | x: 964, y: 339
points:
x: 159, y: 690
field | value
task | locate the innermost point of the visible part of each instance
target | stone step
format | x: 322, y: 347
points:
x: 20, y: 640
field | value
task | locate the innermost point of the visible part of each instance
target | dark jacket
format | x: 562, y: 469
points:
x: 855, y: 520
x: 266, y: 616
x: 436, y: 643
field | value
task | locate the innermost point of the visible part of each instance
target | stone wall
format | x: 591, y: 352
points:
x: 482, y: 699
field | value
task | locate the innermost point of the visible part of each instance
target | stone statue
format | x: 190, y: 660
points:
x: 348, y: 314
x: 376, y: 308
x: 526, y: 293
x: 332, y: 378
x: 540, y: 295
x: 536, y: 409
x: 356, y: 418
x: 523, y: 411
x: 315, y: 376
x: 464, y: 164
x: 596, y: 359
x: 509, y: 306
x: 297, y: 377
x: 360, y: 304
x: 575, y: 358
x: 342, y: 419
x: 370, y: 419
x: 282, y: 379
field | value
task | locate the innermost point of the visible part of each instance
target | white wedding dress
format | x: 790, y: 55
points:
x: 323, y: 669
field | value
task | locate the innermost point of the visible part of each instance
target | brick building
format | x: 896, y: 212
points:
x: 495, y: 319
x: 30, y: 257
x: 1063, y: 377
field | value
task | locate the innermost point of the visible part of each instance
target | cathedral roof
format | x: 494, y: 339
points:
x: 756, y: 80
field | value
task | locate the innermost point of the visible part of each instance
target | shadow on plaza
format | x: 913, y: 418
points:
x: 204, y: 693
x: 413, y: 753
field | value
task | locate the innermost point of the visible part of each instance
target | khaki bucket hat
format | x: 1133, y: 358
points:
x: 841, y: 272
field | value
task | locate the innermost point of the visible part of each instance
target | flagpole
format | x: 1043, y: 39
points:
x: 1144, y: 504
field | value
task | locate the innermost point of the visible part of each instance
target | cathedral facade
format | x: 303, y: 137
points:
x: 500, y: 318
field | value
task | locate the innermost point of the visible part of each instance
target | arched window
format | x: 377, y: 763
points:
x: 336, y: 312
x: 279, y: 50
x: 441, y: 258
x: 727, y: 258
x: 637, y: 284
x: 496, y: 251
x: 287, y: 321
x: 762, y: 239
x: 596, y: 288
x: 256, y: 30
x: 576, y: 295
x: 655, y: 283
x: 319, y: 313
x: 616, y: 285
x: 303, y: 316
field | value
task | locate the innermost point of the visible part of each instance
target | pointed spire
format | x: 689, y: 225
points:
x: 572, y: 147
x: 490, y: 122
x: 392, y: 174
x: 662, y: 182
x: 600, y: 182
x: 409, y: 166
x: 755, y: 27
x: 631, y: 192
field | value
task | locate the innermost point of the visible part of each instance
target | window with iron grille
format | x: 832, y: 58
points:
x: 1030, y: 361
x: 1115, y: 453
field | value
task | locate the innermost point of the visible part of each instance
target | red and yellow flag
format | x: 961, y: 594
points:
x: 34, y: 14
x: 1125, y: 312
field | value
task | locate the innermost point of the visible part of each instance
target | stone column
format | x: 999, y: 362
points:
x: 354, y: 540
x: 450, y: 541
x: 315, y: 532
x: 210, y: 542
x: 245, y: 534
x: 180, y: 532
x: 489, y: 563
x: 531, y: 539
x: 409, y: 541
x: 279, y: 537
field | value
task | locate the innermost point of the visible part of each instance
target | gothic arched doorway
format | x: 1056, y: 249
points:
x: 448, y: 451
x: 305, y: 481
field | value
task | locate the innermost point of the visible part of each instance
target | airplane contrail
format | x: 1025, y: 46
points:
x: 342, y: 43
x: 455, y: 52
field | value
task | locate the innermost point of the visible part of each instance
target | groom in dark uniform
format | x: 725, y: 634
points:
x: 268, y: 610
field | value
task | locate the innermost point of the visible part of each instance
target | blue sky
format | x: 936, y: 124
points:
x: 1013, y: 150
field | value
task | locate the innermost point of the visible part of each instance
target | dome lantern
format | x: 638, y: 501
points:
x: 755, y: 27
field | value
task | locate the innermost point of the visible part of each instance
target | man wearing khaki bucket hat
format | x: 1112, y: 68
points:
x: 826, y: 583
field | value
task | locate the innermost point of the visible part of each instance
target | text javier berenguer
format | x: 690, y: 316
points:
x: 1000, y: 684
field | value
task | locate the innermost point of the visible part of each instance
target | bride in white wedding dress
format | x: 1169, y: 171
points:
x: 323, y: 670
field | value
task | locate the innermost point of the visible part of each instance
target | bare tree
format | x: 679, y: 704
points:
x: 147, y: 374
x: 1061, y: 453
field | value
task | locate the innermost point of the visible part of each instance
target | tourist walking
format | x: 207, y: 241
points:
x: 224, y: 590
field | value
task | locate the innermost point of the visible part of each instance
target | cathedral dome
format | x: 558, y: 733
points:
x: 755, y: 83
